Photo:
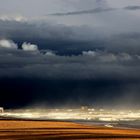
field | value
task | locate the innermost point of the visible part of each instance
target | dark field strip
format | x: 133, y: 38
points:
x: 35, y: 130
x: 60, y: 134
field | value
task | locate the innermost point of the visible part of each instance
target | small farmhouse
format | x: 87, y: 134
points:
x: 1, y: 109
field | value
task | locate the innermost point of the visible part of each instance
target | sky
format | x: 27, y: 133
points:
x: 70, y: 53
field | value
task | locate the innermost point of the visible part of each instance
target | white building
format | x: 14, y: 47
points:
x: 1, y: 109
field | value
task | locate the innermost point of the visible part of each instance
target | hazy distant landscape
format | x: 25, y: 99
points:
x: 84, y: 115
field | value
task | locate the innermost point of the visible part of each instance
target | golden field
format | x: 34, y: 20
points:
x: 54, y: 130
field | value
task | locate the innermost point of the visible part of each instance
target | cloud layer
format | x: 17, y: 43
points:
x: 100, y: 9
x: 92, y: 78
x: 134, y: 7
x: 90, y: 11
x: 47, y: 64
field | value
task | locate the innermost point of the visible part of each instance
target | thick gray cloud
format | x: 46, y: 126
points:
x: 71, y: 38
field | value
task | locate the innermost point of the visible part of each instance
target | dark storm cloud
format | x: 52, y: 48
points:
x: 47, y: 64
x: 103, y: 65
x: 51, y: 79
x: 90, y: 11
